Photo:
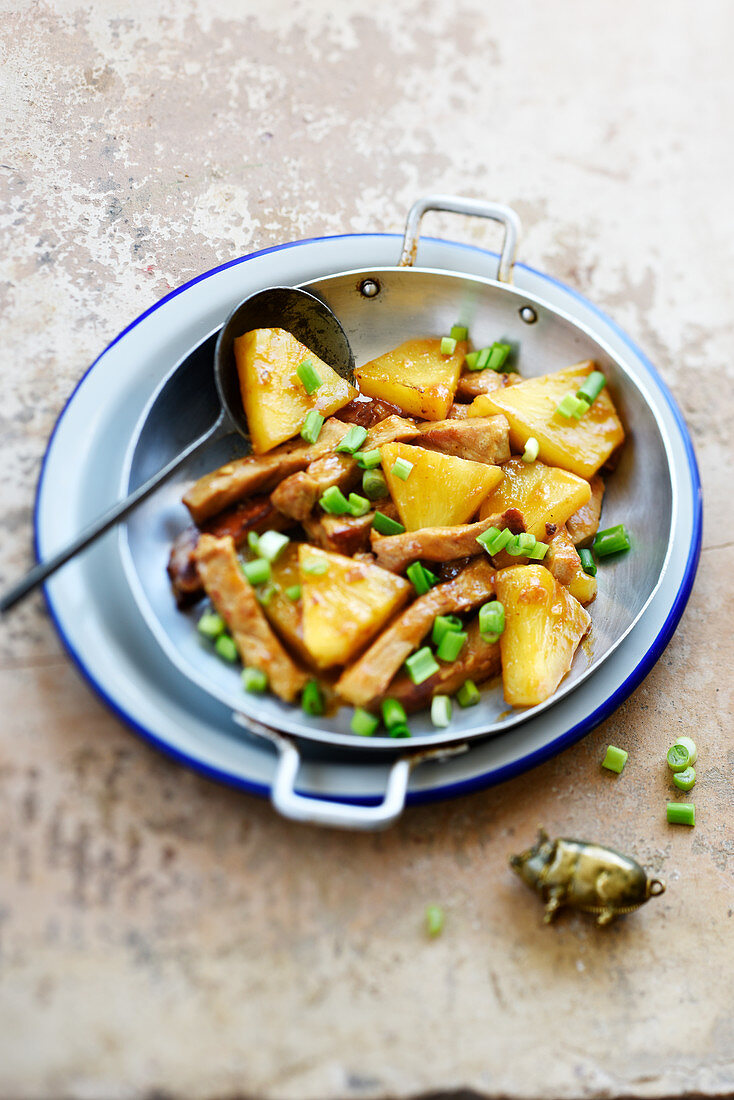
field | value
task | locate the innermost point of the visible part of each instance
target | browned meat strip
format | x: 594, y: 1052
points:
x: 480, y: 438
x: 584, y: 524
x: 562, y: 558
x: 255, y: 514
x: 447, y: 570
x: 299, y: 494
x: 474, y: 382
x: 366, y: 411
x: 345, y: 534
x: 257, y: 473
x: 367, y: 679
x: 236, y: 602
x: 458, y: 412
x: 436, y: 544
x: 478, y: 661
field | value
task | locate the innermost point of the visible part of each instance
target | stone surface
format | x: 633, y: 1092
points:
x: 160, y: 935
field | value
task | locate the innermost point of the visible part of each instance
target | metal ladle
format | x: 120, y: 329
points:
x: 303, y: 315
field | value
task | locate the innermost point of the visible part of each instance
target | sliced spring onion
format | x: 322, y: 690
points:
x: 367, y: 460
x: 470, y: 361
x: 253, y: 541
x: 514, y: 548
x: 358, y: 506
x: 334, y: 502
x: 493, y: 540
x: 537, y: 552
x: 587, y: 562
x: 468, y: 694
x: 422, y: 579
x: 309, y: 376
x: 402, y: 468
x: 444, y: 624
x: 615, y: 759
x: 393, y: 713
x: 312, y: 425
x: 363, y: 723
x: 685, y: 780
x: 459, y: 332
x: 678, y: 757
x: 525, y: 541
x: 352, y: 441
x: 386, y: 526
x: 611, y: 541
x: 401, y: 730
x: 254, y: 680
x: 681, y: 813
x: 265, y: 593
x: 315, y: 568
x: 211, y: 625
x: 312, y: 699
x: 483, y: 358
x: 257, y: 571
x: 441, y: 711
x: 592, y: 387
x: 374, y: 485
x: 294, y: 592
x: 448, y: 345
x: 435, y: 920
x: 572, y: 406
x: 451, y: 645
x: 492, y: 619
x: 532, y: 447
x: 497, y: 355
x: 271, y: 545
x: 421, y: 665
x: 690, y: 744
x: 226, y: 649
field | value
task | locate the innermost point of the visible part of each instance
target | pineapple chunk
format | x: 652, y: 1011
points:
x: 544, y: 494
x: 285, y: 615
x: 581, y: 446
x: 344, y: 607
x: 416, y: 377
x: 273, y: 396
x: 543, y: 627
x: 441, y: 490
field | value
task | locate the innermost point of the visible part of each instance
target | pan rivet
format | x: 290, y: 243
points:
x: 369, y: 288
x: 528, y: 315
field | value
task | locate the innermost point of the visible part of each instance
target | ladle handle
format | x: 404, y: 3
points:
x: 40, y: 572
x: 455, y: 204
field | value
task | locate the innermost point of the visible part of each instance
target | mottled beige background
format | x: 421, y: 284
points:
x: 162, y: 936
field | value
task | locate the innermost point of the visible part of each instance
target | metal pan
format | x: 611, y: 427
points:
x: 379, y: 308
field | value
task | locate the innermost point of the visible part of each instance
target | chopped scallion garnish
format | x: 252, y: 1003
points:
x: 468, y: 694
x: 451, y: 645
x: 678, y: 757
x: 493, y: 540
x: 681, y: 813
x: 592, y: 387
x: 497, y: 355
x: 226, y: 649
x: 532, y: 447
x: 386, y: 526
x: 537, y: 552
x: 374, y: 485
x: 402, y: 468
x: 615, y: 759
x: 611, y: 541
x: 352, y: 441
x: 492, y: 619
x: 441, y: 711
x: 312, y: 425
x: 254, y: 680
x: 421, y: 665
x: 309, y: 376
x: 470, y: 361
x: 271, y: 545
x: 363, y: 723
x: 294, y: 592
x: 334, y: 502
x: 448, y: 345
x: 358, y: 506
x: 400, y: 731
x: 265, y: 593
x: 572, y: 406
x: 422, y: 579
x: 685, y: 780
x: 435, y: 920
x: 459, y: 332
x: 257, y: 571
x: 587, y: 562
x: 443, y: 624
x: 312, y: 699
x: 690, y: 744
x: 211, y: 625
x: 367, y: 460
x: 253, y: 541
x: 393, y: 713
x: 315, y: 568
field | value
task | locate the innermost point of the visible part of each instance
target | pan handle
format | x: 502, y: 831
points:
x: 454, y: 204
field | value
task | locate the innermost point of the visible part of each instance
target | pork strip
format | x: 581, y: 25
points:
x: 299, y: 494
x: 367, y: 679
x: 562, y: 558
x: 256, y: 514
x: 366, y: 411
x: 479, y: 439
x: 472, y: 383
x: 235, y: 600
x: 584, y: 524
x: 439, y: 544
x: 478, y: 661
x: 257, y: 473
x: 348, y: 535
x: 457, y: 412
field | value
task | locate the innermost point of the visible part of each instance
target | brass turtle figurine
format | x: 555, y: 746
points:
x: 584, y: 876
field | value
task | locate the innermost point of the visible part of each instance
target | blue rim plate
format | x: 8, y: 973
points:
x: 106, y: 636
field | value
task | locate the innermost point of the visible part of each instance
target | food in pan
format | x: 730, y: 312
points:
x: 393, y: 547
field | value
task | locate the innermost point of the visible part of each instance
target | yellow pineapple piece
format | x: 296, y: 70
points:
x: 416, y: 377
x: 441, y: 490
x: 346, y: 605
x: 543, y: 627
x: 581, y: 446
x: 286, y: 615
x: 582, y: 587
x: 273, y: 396
x: 544, y: 494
